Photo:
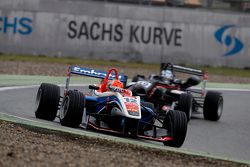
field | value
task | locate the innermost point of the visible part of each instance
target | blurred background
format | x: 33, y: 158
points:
x: 223, y: 5
x: 188, y: 32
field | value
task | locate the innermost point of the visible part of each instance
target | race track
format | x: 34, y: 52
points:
x: 230, y: 137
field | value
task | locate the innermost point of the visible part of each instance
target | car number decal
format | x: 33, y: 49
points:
x: 129, y: 100
x: 145, y: 84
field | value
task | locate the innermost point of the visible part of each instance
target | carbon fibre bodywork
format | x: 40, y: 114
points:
x: 171, y: 93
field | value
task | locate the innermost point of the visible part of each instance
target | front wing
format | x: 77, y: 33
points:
x: 150, y: 136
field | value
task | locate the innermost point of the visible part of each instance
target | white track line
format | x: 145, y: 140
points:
x: 17, y: 87
x: 230, y: 89
x: 227, y: 89
x: 32, y: 86
x: 21, y: 118
x: 61, y: 85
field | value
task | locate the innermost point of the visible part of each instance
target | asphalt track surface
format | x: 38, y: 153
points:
x: 229, y: 137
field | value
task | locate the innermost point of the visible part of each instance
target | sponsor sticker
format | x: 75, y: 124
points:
x: 132, y: 107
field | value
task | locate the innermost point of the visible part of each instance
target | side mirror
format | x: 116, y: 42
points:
x: 138, y: 90
x: 93, y: 87
x: 138, y: 78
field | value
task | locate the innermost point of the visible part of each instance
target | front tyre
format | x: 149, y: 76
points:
x: 213, y: 106
x: 71, y: 110
x: 175, y: 122
x: 47, y: 101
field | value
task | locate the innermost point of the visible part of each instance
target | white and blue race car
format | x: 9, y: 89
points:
x: 110, y: 108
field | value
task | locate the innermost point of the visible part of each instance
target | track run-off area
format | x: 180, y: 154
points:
x: 226, y: 139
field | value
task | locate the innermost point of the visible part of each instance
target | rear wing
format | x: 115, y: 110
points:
x: 186, y: 70
x: 93, y: 73
x: 169, y: 66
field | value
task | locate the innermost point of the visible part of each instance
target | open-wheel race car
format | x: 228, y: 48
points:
x: 109, y: 108
x: 167, y: 92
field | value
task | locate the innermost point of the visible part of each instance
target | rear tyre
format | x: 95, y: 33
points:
x: 71, y: 110
x: 186, y: 104
x: 47, y: 101
x: 176, y: 124
x: 213, y: 106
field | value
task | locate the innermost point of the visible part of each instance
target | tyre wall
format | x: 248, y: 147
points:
x: 100, y: 30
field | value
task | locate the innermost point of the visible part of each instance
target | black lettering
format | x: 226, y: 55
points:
x: 133, y: 34
x: 94, y: 36
x: 83, y: 31
x: 118, y: 33
x: 107, y: 31
x: 168, y: 38
x: 72, y: 29
x: 148, y: 35
x: 178, y: 36
x: 157, y: 35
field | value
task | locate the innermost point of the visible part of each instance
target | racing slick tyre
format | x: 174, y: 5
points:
x: 138, y: 78
x: 47, y: 101
x: 213, y: 106
x: 186, y: 104
x: 176, y: 124
x: 71, y: 110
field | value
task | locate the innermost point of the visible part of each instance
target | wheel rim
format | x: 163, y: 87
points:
x: 220, y: 108
x: 64, y: 108
x: 38, y: 99
x: 190, y: 108
x: 190, y: 111
x: 169, y: 125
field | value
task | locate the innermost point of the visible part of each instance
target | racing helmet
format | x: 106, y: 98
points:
x: 116, y: 83
x: 168, y: 74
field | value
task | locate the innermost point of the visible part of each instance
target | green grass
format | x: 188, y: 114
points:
x: 225, y: 71
x: 17, y: 80
x: 73, y: 61
x: 229, y: 71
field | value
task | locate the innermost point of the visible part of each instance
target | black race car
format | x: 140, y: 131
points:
x: 168, y: 93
